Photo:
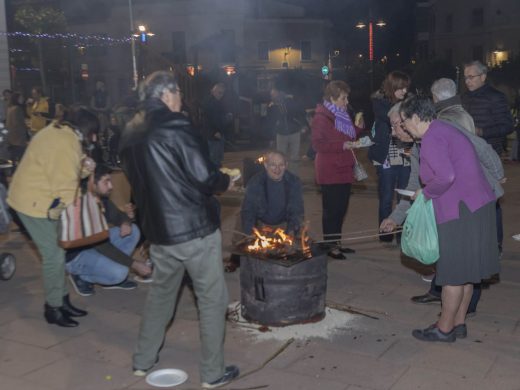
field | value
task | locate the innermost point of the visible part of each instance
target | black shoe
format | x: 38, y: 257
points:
x: 347, y: 250
x: 83, y: 288
x: 70, y: 310
x: 461, y: 331
x: 55, y: 315
x: 493, y: 279
x: 425, y: 299
x: 433, y: 333
x: 231, y: 373
x: 336, y: 254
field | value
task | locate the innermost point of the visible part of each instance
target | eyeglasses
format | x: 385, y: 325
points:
x: 471, y: 77
x: 395, y: 124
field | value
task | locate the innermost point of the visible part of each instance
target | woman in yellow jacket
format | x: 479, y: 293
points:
x: 43, y: 184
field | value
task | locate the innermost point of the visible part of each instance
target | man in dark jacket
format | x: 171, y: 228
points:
x: 173, y: 184
x: 490, y: 112
x: 216, y: 122
x: 273, y: 197
x: 287, y: 121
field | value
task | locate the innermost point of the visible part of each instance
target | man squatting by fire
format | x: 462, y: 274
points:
x: 273, y: 198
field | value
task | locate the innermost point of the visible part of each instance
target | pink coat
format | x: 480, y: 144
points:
x: 333, y: 165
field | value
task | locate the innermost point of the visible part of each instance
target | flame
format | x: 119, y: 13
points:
x: 270, y: 241
x: 260, y: 160
x: 263, y: 241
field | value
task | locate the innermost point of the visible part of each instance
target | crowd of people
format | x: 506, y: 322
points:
x: 447, y: 149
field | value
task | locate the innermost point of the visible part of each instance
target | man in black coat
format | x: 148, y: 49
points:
x: 174, y: 184
x: 491, y: 114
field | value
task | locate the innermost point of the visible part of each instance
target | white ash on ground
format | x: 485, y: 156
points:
x: 335, y: 322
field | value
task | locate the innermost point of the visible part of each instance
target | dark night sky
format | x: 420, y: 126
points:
x: 397, y: 36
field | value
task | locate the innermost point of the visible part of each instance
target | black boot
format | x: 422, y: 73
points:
x: 55, y: 315
x: 71, y: 311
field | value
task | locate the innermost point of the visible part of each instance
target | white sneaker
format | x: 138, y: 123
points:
x: 516, y: 237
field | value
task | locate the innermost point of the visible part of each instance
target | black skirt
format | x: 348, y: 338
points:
x: 468, y: 247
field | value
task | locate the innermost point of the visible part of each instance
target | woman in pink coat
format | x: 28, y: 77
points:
x: 332, y: 134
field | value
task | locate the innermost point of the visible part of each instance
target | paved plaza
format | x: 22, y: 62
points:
x: 367, y: 352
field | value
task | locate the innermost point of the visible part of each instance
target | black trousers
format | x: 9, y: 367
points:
x: 334, y: 200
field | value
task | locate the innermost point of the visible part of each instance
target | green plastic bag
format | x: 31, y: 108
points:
x: 419, y: 238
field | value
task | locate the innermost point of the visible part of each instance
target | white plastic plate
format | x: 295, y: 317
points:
x: 167, y: 377
x: 404, y: 192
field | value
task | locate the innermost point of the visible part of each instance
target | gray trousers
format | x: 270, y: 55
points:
x: 202, y: 259
x: 289, y: 145
x: 44, y: 233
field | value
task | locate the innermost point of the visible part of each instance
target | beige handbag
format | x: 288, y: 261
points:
x: 359, y: 171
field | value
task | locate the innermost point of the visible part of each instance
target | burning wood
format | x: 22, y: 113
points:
x: 271, y: 243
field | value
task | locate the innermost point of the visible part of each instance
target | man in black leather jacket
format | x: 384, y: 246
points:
x: 173, y: 184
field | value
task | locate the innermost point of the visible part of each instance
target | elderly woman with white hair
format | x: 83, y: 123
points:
x: 464, y: 206
x: 448, y: 104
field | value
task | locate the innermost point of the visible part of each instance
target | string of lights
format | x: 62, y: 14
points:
x: 71, y: 36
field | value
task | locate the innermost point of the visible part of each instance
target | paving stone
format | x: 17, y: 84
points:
x: 429, y: 379
x: 351, y: 368
x: 18, y: 359
x: 37, y: 332
x: 83, y: 374
x: 9, y: 383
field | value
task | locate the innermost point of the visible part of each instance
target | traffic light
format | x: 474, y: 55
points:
x: 325, y: 71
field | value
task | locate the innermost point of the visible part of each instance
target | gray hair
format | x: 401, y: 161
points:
x: 155, y: 85
x: 479, y: 65
x: 395, y: 109
x: 443, y: 89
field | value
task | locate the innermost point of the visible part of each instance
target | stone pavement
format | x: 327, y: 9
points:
x: 367, y: 354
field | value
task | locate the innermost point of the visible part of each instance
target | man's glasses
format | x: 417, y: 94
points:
x: 471, y: 77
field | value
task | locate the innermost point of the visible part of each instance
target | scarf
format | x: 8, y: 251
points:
x: 343, y: 123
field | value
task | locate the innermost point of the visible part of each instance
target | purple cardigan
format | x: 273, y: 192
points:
x: 450, y: 172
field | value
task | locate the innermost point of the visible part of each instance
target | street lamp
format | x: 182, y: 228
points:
x: 362, y: 25
x: 132, y: 43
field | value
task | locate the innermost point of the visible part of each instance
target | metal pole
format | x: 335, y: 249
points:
x: 132, y: 43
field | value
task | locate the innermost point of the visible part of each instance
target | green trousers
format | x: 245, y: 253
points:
x: 44, y: 234
x: 202, y: 259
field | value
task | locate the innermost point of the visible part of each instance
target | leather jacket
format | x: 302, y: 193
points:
x: 172, y: 178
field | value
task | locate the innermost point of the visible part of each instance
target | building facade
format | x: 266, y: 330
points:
x: 233, y: 37
x: 465, y: 30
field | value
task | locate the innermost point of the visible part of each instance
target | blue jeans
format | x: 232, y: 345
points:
x: 216, y: 151
x: 389, y: 179
x: 477, y: 292
x: 93, y: 267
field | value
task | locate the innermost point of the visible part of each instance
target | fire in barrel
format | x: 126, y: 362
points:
x: 283, y: 279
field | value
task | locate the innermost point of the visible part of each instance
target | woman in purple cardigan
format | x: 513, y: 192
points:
x: 464, y: 206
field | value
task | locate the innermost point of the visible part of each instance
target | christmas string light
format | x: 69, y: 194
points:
x: 21, y: 34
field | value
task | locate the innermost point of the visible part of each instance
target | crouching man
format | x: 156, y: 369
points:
x: 274, y: 198
x: 107, y: 263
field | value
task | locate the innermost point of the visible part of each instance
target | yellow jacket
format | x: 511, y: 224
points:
x: 35, y: 111
x: 49, y: 169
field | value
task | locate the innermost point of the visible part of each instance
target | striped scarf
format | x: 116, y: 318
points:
x: 343, y: 122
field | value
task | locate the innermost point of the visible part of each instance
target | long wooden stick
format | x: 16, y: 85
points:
x: 352, y: 310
